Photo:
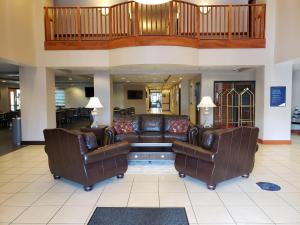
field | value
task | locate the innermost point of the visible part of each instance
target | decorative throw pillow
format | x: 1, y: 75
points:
x: 123, y: 127
x: 179, y: 126
x: 90, y: 141
x: 207, y: 139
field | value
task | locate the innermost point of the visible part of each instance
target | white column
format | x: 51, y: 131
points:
x: 185, y: 97
x: 103, y: 90
x: 274, y: 122
x: 37, y: 86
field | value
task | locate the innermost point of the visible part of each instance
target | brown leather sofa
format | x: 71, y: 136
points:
x: 77, y: 157
x: 221, y: 155
x: 151, y: 126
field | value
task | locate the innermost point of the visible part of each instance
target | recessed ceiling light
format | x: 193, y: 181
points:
x: 173, y: 81
x: 123, y: 78
x: 3, y: 81
x: 180, y: 78
x: 127, y: 81
x: 70, y: 78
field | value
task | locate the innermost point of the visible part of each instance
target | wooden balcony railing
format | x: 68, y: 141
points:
x: 174, y: 23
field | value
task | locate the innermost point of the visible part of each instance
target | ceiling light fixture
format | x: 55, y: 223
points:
x: 3, y: 81
x: 152, y: 2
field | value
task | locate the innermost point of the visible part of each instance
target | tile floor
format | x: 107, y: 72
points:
x: 29, y: 195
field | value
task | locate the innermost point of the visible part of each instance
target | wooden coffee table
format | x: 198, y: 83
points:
x: 151, y: 149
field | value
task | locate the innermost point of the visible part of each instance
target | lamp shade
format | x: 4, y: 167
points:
x: 206, y: 102
x: 152, y: 2
x: 94, y: 103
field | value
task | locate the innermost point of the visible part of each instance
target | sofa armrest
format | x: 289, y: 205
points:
x: 107, y: 152
x: 193, y: 151
x: 192, y: 135
x: 110, y: 133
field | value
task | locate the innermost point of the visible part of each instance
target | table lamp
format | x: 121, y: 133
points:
x: 206, y: 103
x: 94, y: 103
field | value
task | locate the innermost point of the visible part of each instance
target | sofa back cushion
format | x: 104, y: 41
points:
x: 179, y: 126
x: 207, y: 140
x: 151, y: 123
x: 169, y: 118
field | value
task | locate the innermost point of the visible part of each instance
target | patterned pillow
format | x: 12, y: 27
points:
x: 123, y: 127
x: 179, y: 126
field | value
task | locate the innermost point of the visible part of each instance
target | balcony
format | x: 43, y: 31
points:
x: 175, y: 23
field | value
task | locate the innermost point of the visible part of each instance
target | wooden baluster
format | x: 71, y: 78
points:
x: 224, y: 22
x: 78, y: 18
x: 171, y: 21
x: 47, y: 25
x: 128, y: 18
x: 203, y: 22
x: 263, y: 21
x: 216, y: 21
x: 229, y: 22
x: 124, y: 18
x: 211, y: 21
x: 198, y: 21
x: 220, y: 21
x: 67, y: 23
x: 136, y: 19
x: 234, y: 21
x: 243, y: 21
x: 70, y: 23
x: 161, y: 19
x: 207, y: 21
x: 97, y: 23
x: 151, y: 17
x: 61, y: 24
x: 191, y: 20
x: 252, y: 21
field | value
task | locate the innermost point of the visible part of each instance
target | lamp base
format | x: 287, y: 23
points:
x: 95, y: 122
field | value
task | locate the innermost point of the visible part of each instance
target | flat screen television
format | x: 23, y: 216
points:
x: 89, y: 92
x: 134, y: 94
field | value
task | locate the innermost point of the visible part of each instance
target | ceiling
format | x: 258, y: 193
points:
x: 9, y: 73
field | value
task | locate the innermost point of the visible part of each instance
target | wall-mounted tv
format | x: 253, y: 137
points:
x: 134, y: 94
x: 89, y: 92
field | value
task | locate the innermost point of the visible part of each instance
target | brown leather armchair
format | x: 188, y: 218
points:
x: 221, y: 155
x: 77, y: 157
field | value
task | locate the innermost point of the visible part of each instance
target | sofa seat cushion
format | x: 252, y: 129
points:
x: 152, y: 134
x: 131, y: 137
x: 178, y: 136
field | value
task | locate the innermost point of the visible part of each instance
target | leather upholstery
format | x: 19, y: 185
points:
x: 232, y: 155
x: 152, y: 126
x: 152, y: 134
x: 69, y: 157
x: 127, y: 137
x: 90, y: 141
x: 180, y: 137
x: 207, y: 139
x: 151, y: 123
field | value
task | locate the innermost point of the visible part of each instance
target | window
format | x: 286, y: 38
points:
x: 14, y: 99
x: 60, y: 98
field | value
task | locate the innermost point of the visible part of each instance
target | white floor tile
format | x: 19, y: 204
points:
x: 9, y: 213
x: 38, y: 187
x: 84, y: 198
x: 236, y: 199
x: 72, y: 214
x: 4, y: 197
x: 217, y: 214
x: 52, y: 199
x: 168, y: 199
x: 37, y: 214
x: 248, y: 214
x: 22, y: 199
x: 113, y: 199
x: 282, y: 214
x: 63, y: 187
x: 171, y: 187
x: 208, y: 199
x: 13, y: 187
x: 143, y: 200
x: 117, y: 187
x: 266, y: 198
x: 145, y: 187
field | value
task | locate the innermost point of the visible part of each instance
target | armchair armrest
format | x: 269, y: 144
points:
x: 110, y: 133
x: 106, y: 152
x: 192, y: 135
x: 193, y: 151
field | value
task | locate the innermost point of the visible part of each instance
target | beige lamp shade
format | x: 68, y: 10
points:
x: 94, y: 103
x: 152, y: 2
x: 206, y: 102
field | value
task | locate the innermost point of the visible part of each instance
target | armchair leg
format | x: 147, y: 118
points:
x: 56, y: 177
x: 246, y: 175
x: 120, y: 176
x: 88, y: 188
x: 211, y: 186
x: 181, y: 175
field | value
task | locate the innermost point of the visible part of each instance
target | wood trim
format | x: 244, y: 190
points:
x: 153, y: 41
x: 275, y: 142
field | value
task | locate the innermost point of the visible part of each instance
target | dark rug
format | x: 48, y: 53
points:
x: 268, y: 186
x: 139, y: 216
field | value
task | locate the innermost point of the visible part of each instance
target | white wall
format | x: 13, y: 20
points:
x: 139, y: 105
x: 208, y: 79
x: 185, y: 97
x: 118, y: 95
x: 75, y: 97
x: 287, y: 30
x: 296, y: 89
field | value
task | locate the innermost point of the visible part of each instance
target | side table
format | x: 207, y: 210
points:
x: 98, y: 131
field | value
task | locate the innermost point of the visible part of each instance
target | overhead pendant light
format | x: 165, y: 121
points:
x: 152, y: 2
